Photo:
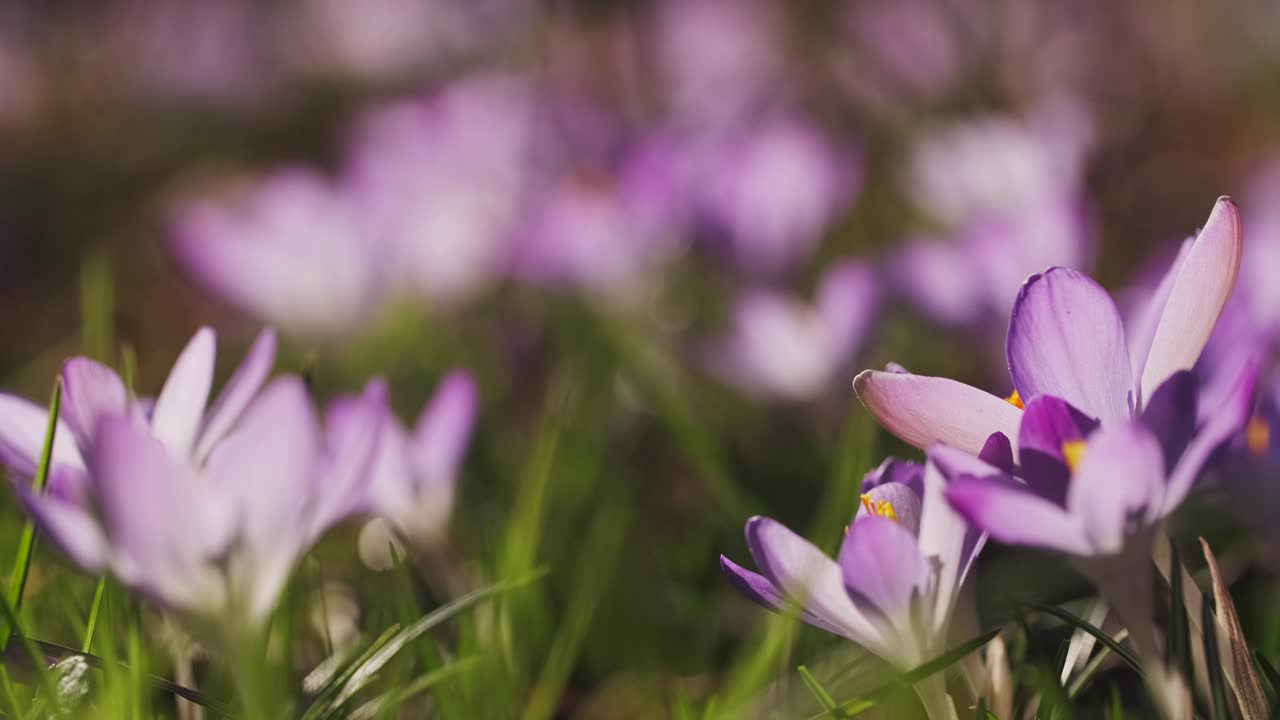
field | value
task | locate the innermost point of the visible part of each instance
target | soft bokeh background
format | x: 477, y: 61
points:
x: 664, y: 235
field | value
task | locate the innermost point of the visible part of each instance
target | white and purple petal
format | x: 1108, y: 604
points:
x: 923, y: 410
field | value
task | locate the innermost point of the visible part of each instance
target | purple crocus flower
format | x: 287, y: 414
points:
x: 893, y: 586
x: 771, y: 189
x: 1066, y: 339
x: 203, y: 508
x: 413, y: 475
x: 790, y: 349
x: 289, y: 250
x: 1098, y: 491
x: 607, y: 233
x: 1007, y: 193
x: 440, y: 182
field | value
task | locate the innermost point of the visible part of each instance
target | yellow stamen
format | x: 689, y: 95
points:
x: 1257, y: 436
x: 882, y: 508
x: 1015, y: 400
x: 1073, y: 453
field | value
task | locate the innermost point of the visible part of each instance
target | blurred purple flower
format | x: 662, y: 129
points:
x: 413, y: 475
x: 440, y: 181
x: 288, y: 250
x: 1066, y: 339
x: 892, y: 588
x: 1009, y: 197
x: 204, y: 509
x: 608, y: 234
x: 1096, y: 492
x: 772, y: 189
x: 785, y: 348
x: 380, y: 40
x: 720, y: 60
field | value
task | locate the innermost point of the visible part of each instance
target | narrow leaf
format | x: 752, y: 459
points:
x: 1071, y: 619
x: 1213, y: 663
x: 1248, y: 686
x: 824, y: 698
x: 27, y: 542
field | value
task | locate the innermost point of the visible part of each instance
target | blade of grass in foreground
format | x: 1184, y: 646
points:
x: 27, y: 541
x: 360, y: 673
x: 1102, y: 637
x: 909, y: 679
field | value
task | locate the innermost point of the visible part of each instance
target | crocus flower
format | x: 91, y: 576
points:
x: 770, y: 190
x: 608, y: 232
x: 203, y: 508
x: 1007, y: 194
x: 790, y: 349
x: 413, y: 474
x: 1097, y: 492
x: 892, y: 588
x: 1066, y: 340
x: 719, y: 59
x: 288, y: 250
x: 440, y: 181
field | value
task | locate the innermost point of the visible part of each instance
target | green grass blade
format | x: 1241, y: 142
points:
x: 359, y: 673
x: 909, y: 679
x: 823, y: 697
x: 1102, y: 637
x: 97, y: 305
x: 94, y: 610
x: 27, y: 541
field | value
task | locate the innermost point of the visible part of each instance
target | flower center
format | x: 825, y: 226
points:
x: 1073, y: 453
x: 1257, y: 436
x: 1015, y: 400
x: 882, y: 508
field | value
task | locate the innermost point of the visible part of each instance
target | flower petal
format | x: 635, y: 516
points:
x: 180, y: 406
x: 1222, y: 425
x: 70, y: 526
x: 1014, y: 515
x: 443, y: 431
x: 1048, y: 424
x: 882, y: 566
x: 1119, y: 481
x: 924, y: 410
x: 267, y: 469
x: 367, y: 459
x: 947, y: 542
x: 810, y: 579
x: 1171, y: 414
x: 1066, y: 340
x: 23, y: 426
x: 895, y: 470
x: 1142, y: 328
x: 998, y: 452
x: 91, y: 391
x: 904, y: 500
x: 1200, y: 291
x: 237, y: 393
x: 157, y: 516
x: 758, y: 588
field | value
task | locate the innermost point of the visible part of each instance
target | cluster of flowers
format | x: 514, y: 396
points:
x: 507, y: 173
x: 1106, y: 432
x: 205, y: 508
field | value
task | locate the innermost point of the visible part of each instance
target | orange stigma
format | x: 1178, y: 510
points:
x: 1015, y: 400
x: 1257, y: 436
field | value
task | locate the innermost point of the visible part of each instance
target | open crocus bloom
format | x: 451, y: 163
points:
x: 1098, y: 491
x: 894, y: 584
x: 203, y: 509
x: 1066, y: 339
x: 413, y: 473
x: 785, y: 348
